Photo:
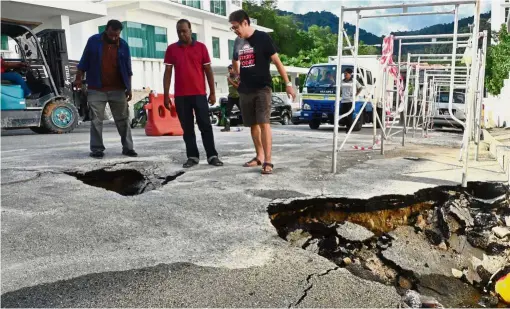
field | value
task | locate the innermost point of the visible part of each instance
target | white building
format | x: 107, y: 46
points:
x: 149, y: 27
x: 500, y: 10
x: 497, y: 113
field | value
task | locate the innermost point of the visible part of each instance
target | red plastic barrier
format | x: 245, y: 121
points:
x: 160, y: 121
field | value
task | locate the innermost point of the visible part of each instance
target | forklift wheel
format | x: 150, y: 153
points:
x: 59, y: 117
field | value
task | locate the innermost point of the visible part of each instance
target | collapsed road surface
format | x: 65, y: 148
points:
x: 427, y: 241
x: 203, y: 238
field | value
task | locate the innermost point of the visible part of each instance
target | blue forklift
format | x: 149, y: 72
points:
x: 55, y: 106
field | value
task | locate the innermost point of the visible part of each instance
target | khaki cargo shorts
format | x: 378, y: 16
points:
x: 256, y: 106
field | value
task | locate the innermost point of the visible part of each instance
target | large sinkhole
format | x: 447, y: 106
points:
x: 446, y: 245
x: 127, y: 182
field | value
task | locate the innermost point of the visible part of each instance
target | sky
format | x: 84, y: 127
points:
x: 383, y: 25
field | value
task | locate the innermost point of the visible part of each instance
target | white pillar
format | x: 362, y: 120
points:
x: 206, y: 36
x: 206, y: 5
x: 62, y: 22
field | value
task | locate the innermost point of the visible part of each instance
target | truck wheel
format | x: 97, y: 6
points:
x: 59, y: 117
x: 285, y: 120
x: 314, y: 124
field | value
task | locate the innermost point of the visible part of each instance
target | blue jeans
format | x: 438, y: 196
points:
x: 18, y: 80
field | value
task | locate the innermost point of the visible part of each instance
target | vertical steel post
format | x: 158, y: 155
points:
x: 454, y: 61
x: 383, y: 116
x: 471, y: 91
x: 340, y: 47
x: 406, y: 98
x: 481, y: 84
x: 355, y: 73
x: 415, y: 95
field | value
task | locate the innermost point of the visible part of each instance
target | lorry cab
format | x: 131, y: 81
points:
x: 319, y: 95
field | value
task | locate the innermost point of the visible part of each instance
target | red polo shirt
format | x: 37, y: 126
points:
x: 188, y: 62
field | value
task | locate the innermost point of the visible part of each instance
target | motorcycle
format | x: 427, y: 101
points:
x: 140, y: 113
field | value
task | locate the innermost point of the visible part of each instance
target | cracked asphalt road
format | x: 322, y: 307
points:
x: 202, y: 240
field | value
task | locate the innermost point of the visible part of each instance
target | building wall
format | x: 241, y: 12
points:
x: 498, y: 16
x: 149, y: 72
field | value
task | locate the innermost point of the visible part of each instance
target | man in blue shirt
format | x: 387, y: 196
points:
x: 107, y: 62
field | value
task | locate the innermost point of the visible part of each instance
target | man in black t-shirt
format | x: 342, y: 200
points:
x: 253, y: 52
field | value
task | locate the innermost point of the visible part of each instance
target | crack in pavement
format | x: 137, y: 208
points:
x: 37, y: 175
x: 310, y: 285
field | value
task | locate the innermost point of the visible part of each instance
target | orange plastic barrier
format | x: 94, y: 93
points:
x: 160, y: 121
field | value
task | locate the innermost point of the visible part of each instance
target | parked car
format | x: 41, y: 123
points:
x: 442, y: 115
x: 281, y: 112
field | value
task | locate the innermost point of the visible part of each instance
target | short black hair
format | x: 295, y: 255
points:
x: 114, y: 24
x: 348, y: 70
x: 184, y: 21
x: 239, y: 16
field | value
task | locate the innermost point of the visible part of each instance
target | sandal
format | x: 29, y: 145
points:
x: 248, y: 164
x: 267, y: 172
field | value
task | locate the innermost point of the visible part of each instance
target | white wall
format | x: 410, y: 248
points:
x: 496, y: 111
x: 149, y: 72
x: 497, y: 14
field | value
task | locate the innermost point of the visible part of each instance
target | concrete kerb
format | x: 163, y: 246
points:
x: 500, y: 152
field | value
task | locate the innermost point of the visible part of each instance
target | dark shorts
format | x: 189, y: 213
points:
x: 256, y: 106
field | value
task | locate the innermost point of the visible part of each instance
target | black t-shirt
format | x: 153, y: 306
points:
x: 254, y: 55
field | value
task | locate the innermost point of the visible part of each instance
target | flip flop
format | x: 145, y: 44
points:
x: 247, y: 164
x: 264, y: 172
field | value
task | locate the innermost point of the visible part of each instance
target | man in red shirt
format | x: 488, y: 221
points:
x: 192, y: 63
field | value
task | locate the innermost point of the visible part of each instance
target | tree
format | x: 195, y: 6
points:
x: 498, y: 62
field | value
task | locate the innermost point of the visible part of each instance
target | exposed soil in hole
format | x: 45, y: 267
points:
x: 444, y: 245
x: 127, y: 182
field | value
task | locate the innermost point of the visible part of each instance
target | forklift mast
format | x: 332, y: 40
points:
x: 54, y: 46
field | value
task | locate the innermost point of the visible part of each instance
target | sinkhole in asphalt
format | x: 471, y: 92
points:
x: 444, y: 245
x: 126, y: 182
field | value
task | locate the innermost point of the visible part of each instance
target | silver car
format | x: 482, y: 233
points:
x: 442, y: 115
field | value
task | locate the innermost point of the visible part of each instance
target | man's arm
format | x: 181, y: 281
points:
x: 233, y: 83
x: 235, y: 66
x: 13, y: 65
x: 210, y: 82
x: 167, y: 79
x: 281, y: 69
x: 283, y: 73
x: 359, y: 86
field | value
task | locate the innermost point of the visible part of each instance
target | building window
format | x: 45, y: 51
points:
x: 145, y: 41
x: 216, y: 47
x: 192, y: 3
x: 219, y: 7
x: 236, y: 2
x: 194, y: 36
x: 5, y: 43
x: 230, y: 49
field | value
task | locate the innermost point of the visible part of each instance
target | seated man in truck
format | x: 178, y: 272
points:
x: 14, y: 77
x: 328, y: 79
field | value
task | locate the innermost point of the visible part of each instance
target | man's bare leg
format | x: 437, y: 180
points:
x: 257, y: 141
x: 267, y: 142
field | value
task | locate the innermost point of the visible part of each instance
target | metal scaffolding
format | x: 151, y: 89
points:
x: 435, y: 77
